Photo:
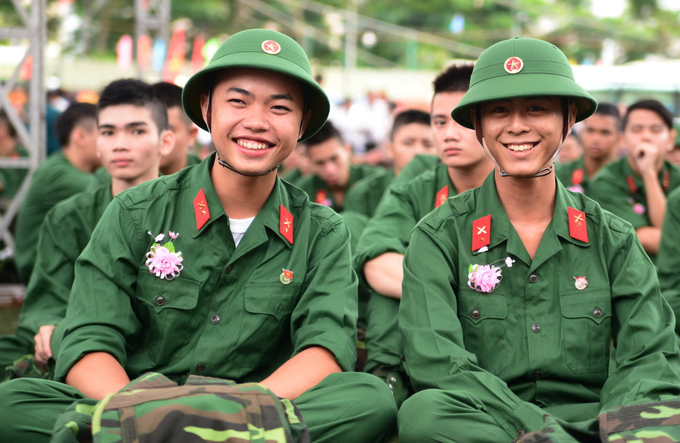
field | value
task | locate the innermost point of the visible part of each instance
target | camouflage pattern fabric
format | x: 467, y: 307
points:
x: 154, y: 409
x: 552, y: 432
x: 26, y: 366
x: 657, y: 422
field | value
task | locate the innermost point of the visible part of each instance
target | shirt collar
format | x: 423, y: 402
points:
x: 268, y: 216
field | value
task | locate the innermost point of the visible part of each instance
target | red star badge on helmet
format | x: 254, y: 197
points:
x: 513, y: 65
x: 271, y: 47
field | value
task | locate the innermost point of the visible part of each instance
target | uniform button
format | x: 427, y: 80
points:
x: 521, y: 432
x: 160, y: 300
x: 475, y: 313
x: 230, y: 269
x: 536, y: 327
x: 597, y: 312
x: 537, y: 374
x: 216, y: 319
x: 200, y: 368
x: 533, y: 278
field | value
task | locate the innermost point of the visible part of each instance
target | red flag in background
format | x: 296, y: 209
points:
x: 174, y: 60
x: 197, y: 60
x: 144, y: 52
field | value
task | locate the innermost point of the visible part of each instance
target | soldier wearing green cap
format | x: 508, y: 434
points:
x: 508, y: 325
x: 222, y: 269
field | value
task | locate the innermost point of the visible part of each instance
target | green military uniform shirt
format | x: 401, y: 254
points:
x: 368, y: 192
x: 620, y: 191
x: 55, y: 180
x: 668, y: 259
x: 540, y: 342
x: 64, y: 235
x: 319, y: 192
x: 389, y: 231
x: 232, y: 312
x: 418, y: 164
x: 574, y: 176
x: 401, y: 209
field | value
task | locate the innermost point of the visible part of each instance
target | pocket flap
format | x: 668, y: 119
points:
x: 276, y: 300
x: 594, y: 305
x: 477, y: 306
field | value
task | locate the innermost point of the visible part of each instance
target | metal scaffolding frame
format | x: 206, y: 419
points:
x: 152, y: 15
x: 32, y: 137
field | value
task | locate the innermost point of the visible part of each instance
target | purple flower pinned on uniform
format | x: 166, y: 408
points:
x: 485, y: 278
x: 163, y: 261
x: 639, y: 209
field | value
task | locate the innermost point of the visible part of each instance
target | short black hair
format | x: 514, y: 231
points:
x: 76, y: 115
x: 651, y: 105
x: 609, y: 109
x: 4, y: 120
x: 407, y: 117
x: 136, y: 93
x: 455, y: 78
x: 327, y: 132
x: 171, y: 95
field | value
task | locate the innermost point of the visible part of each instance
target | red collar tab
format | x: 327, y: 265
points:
x: 631, y: 185
x: 286, y: 224
x: 577, y: 224
x: 201, y: 210
x: 321, y: 198
x: 442, y: 195
x: 577, y: 177
x: 481, y: 232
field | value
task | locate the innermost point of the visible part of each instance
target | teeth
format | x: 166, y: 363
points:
x: 520, y: 148
x: 252, y: 145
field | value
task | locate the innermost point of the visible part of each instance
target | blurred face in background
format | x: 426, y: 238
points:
x: 330, y: 160
x: 408, y: 141
x: 600, y: 136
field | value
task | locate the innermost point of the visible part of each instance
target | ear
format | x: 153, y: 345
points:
x: 167, y: 142
x: 348, y: 149
x: 304, y: 123
x: 389, y: 147
x: 573, y: 110
x: 204, y: 108
x: 193, y: 134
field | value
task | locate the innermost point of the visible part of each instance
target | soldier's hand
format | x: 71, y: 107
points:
x: 645, y: 156
x: 43, y: 352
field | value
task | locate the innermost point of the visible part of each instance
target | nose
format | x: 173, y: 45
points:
x: 256, y: 120
x: 517, y: 123
x: 453, y: 130
x: 121, y: 142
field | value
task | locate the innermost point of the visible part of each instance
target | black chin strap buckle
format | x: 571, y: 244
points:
x: 228, y: 166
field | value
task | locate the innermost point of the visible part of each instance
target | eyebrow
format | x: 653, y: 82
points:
x: 283, y: 96
x: 127, y: 126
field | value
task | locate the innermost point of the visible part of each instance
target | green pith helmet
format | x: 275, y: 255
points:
x: 262, y: 49
x: 522, y: 67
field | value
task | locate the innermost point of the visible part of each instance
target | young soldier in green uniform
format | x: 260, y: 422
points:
x: 508, y: 322
x: 333, y: 175
x: 668, y: 260
x: 381, y: 249
x: 221, y: 269
x: 59, y: 177
x: 635, y: 187
x: 600, y: 135
x: 410, y: 135
x: 133, y: 135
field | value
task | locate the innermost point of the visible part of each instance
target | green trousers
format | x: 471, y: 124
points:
x: 435, y: 415
x: 383, y: 339
x: 349, y: 407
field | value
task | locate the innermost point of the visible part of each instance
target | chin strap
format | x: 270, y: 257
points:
x: 541, y: 172
x: 208, y: 120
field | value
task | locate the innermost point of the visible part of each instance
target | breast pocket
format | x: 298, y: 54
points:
x: 166, y: 311
x: 482, y: 317
x: 265, y: 329
x: 586, y: 330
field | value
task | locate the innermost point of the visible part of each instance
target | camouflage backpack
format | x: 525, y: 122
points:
x: 154, y: 409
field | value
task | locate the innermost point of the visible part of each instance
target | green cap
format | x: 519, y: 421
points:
x: 262, y: 49
x: 522, y: 67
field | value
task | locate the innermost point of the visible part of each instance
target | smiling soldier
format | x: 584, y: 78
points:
x: 507, y: 323
x: 222, y: 269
